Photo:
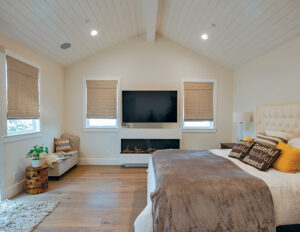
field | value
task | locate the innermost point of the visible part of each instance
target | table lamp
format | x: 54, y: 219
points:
x: 241, y: 118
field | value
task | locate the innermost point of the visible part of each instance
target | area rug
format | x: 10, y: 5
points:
x: 17, y: 216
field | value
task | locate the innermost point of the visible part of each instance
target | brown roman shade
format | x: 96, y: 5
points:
x: 198, y: 101
x: 101, y: 99
x: 22, y: 90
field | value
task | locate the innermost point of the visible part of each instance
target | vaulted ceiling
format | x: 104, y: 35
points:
x: 238, y: 30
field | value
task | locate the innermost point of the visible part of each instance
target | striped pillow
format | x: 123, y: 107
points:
x: 62, y: 144
x: 270, y: 140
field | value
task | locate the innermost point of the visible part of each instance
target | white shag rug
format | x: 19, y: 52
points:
x: 21, y: 216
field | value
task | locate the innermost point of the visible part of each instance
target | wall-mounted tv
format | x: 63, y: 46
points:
x: 149, y: 106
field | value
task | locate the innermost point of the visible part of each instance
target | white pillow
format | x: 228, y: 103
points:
x: 279, y: 134
x: 295, y: 142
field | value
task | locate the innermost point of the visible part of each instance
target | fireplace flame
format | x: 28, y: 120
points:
x: 138, y: 150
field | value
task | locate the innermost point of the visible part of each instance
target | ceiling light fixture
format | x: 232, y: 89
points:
x: 204, y: 36
x: 94, y: 32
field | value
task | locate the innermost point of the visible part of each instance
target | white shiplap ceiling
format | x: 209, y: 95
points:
x: 238, y: 30
x: 45, y: 24
x: 244, y: 29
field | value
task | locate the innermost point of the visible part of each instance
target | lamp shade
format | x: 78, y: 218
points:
x: 241, y: 117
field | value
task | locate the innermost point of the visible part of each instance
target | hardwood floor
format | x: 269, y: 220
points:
x: 95, y: 198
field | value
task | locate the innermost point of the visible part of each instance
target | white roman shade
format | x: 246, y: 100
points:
x: 101, y: 99
x: 198, y: 101
x: 22, y: 90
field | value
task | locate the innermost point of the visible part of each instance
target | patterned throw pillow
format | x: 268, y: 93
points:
x: 262, y: 156
x: 270, y: 140
x: 62, y: 144
x: 240, y: 150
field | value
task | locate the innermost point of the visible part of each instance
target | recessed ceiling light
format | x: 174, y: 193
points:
x: 65, y: 45
x: 94, y: 32
x: 204, y: 36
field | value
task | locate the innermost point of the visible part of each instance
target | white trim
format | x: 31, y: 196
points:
x: 99, y: 161
x: 14, y: 138
x: 96, y: 129
x: 197, y: 130
x: 102, y: 129
x: 13, y: 190
x: 215, y: 92
x: 2, y: 116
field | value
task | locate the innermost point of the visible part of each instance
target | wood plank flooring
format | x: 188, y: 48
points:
x: 99, y: 198
x: 95, y: 198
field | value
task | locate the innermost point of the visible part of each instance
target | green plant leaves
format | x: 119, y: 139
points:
x: 37, y: 151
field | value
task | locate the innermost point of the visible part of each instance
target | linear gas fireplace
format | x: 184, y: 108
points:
x: 131, y: 146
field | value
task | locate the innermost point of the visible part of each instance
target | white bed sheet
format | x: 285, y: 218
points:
x: 284, y: 187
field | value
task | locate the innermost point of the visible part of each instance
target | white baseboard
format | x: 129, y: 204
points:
x: 99, y: 161
x: 13, y: 190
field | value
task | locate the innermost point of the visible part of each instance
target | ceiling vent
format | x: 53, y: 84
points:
x: 65, y: 45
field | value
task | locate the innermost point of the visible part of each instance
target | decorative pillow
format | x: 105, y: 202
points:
x: 270, y: 140
x: 295, y: 142
x: 248, y: 138
x: 62, y: 144
x: 289, y: 160
x: 240, y: 150
x: 279, y: 134
x: 262, y: 156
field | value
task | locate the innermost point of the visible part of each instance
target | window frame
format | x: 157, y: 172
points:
x: 200, y: 129
x: 100, y: 128
x: 19, y: 136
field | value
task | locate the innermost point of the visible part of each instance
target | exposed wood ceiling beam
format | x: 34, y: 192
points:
x: 150, y: 15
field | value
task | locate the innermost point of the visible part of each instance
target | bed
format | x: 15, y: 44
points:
x: 284, y: 187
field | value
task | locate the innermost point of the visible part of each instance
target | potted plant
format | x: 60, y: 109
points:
x: 35, y: 153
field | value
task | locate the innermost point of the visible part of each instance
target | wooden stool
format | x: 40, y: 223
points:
x: 36, y: 180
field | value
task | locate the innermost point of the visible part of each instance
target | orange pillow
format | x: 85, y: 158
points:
x: 248, y: 139
x: 289, y: 160
x: 62, y: 145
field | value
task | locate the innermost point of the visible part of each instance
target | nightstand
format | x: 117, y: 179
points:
x: 36, y: 180
x: 227, y: 145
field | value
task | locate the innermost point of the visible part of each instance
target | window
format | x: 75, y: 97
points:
x: 17, y: 127
x: 101, y: 103
x: 22, y: 81
x: 199, y: 105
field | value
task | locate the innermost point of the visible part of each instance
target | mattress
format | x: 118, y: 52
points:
x: 284, y: 188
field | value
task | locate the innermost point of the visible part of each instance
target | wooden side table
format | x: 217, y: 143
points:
x: 227, y: 145
x: 36, y: 180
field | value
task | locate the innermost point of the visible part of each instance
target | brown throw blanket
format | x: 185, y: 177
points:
x: 199, y: 191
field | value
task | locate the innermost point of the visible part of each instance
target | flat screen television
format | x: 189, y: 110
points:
x: 149, y: 106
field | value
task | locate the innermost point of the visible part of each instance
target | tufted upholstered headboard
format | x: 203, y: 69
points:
x: 285, y: 117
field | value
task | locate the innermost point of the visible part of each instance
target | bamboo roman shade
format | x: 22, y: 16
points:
x: 101, y: 99
x: 198, y: 101
x: 22, y: 90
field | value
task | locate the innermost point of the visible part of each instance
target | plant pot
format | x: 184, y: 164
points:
x: 37, y: 163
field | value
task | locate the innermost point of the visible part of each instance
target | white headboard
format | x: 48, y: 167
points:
x: 284, y: 118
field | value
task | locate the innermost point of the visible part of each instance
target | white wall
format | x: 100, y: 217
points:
x: 52, y: 110
x: 272, y: 78
x: 143, y: 65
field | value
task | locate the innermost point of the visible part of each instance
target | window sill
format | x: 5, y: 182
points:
x: 14, y: 138
x: 198, y: 130
x: 107, y: 130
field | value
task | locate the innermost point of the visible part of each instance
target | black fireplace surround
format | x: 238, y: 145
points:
x: 131, y: 146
